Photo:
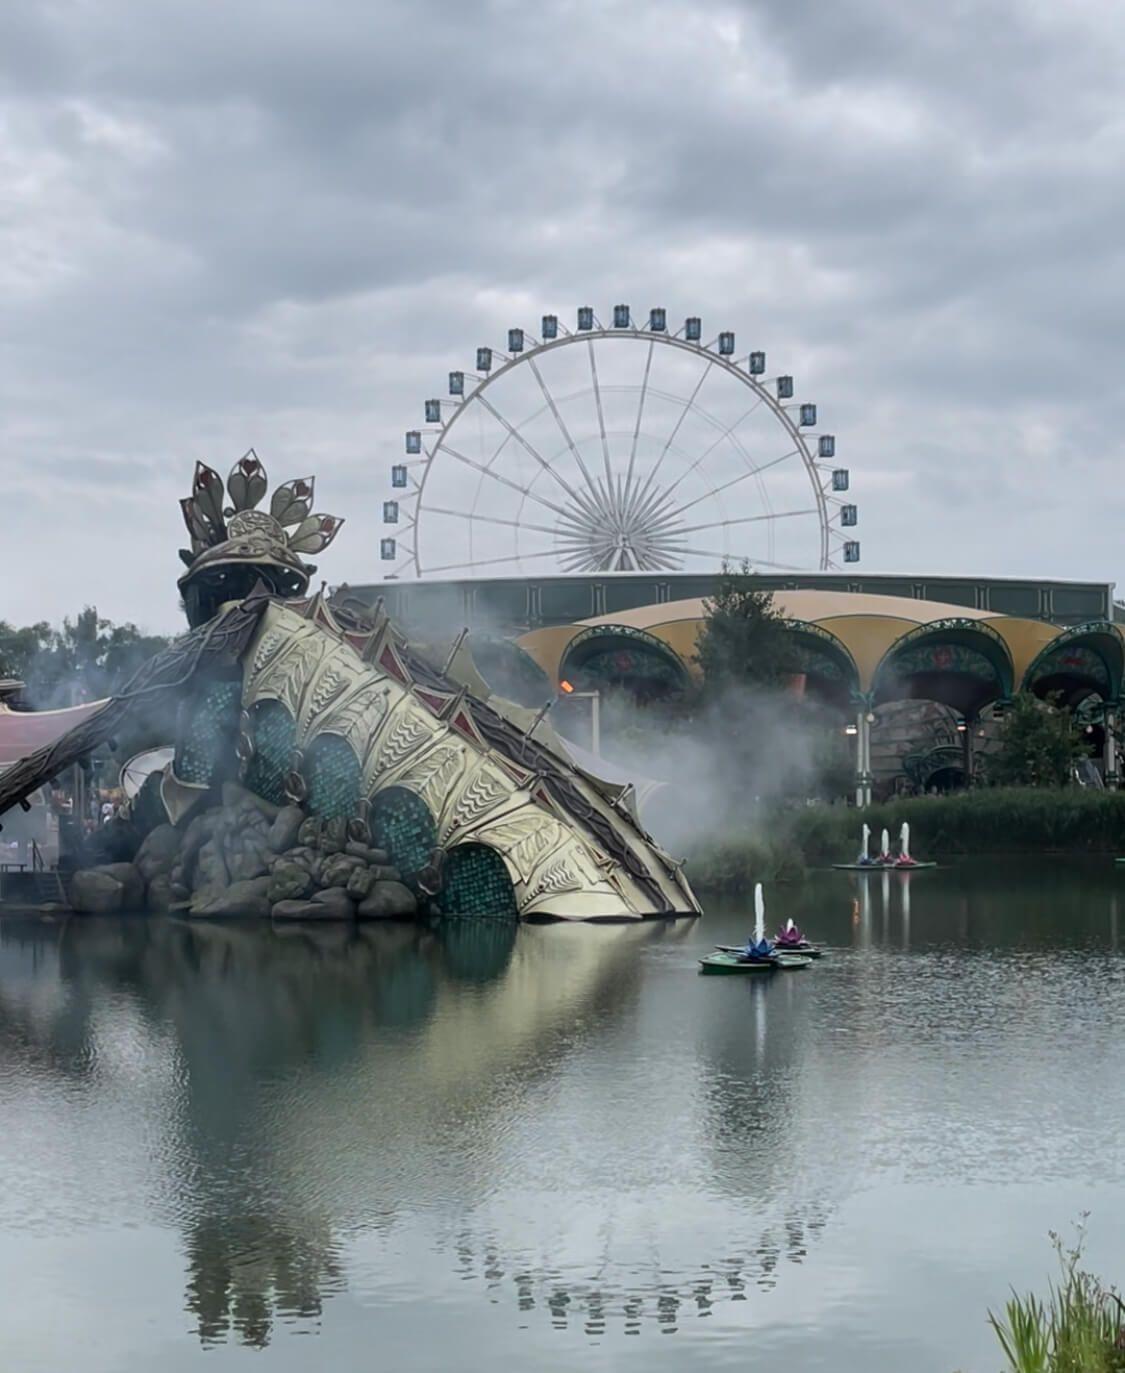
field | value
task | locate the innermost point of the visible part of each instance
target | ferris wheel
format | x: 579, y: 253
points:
x: 617, y: 448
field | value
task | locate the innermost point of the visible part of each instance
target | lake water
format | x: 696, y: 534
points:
x: 560, y: 1147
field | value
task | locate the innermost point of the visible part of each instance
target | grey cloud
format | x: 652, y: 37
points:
x: 279, y: 225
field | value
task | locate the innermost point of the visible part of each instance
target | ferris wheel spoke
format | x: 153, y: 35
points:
x: 723, y: 555
x: 637, y: 425
x: 684, y: 412
x: 601, y: 414
x: 493, y: 562
x: 728, y: 433
x: 523, y: 443
x: 553, y: 407
x: 525, y: 491
x: 734, y: 481
x: 747, y: 519
x: 491, y: 519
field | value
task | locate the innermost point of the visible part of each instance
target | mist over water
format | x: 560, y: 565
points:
x: 725, y: 768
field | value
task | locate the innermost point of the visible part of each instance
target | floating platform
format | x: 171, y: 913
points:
x: 805, y: 950
x: 890, y: 867
x: 722, y: 962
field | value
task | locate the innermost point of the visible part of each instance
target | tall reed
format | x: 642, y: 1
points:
x: 1080, y: 1328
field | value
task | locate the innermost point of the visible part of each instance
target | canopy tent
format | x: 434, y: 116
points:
x: 22, y: 732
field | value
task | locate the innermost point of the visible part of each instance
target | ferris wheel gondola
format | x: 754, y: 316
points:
x: 617, y: 448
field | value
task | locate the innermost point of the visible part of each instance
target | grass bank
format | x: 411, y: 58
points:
x: 781, y: 844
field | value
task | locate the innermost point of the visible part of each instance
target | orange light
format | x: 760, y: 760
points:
x: 566, y: 687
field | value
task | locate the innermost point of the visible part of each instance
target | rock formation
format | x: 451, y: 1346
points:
x: 248, y: 858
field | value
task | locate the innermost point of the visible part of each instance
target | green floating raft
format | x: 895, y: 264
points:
x: 890, y: 867
x: 802, y: 950
x: 728, y: 963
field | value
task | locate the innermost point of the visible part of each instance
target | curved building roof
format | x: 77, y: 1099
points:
x: 888, y: 637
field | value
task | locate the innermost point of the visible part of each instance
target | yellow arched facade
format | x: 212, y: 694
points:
x: 894, y: 648
x: 867, y: 627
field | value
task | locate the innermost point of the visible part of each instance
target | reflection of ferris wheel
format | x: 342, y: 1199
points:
x: 617, y: 449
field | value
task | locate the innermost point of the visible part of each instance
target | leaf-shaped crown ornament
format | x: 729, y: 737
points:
x: 235, y: 531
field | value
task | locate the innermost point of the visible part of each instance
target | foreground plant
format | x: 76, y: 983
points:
x: 1080, y: 1328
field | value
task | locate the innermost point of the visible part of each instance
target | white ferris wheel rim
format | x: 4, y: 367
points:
x: 578, y: 520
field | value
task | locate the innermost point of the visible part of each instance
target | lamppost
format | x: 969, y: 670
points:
x: 594, y: 698
x: 861, y: 732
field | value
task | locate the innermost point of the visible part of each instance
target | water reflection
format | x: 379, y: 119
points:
x: 563, y: 1124
x: 318, y: 1078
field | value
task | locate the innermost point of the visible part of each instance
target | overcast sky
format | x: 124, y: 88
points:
x: 279, y: 223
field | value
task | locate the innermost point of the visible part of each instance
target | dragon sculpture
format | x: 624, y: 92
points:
x: 335, y: 737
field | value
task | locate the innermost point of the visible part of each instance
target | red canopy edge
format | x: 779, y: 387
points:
x: 24, y: 731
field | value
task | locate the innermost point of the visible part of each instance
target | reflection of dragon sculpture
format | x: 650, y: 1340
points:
x: 319, y: 703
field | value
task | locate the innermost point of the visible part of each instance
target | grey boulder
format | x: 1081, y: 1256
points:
x: 334, y: 835
x: 246, y: 855
x: 159, y: 853
x: 284, y: 830
x: 387, y: 901
x: 247, y: 900
x: 107, y: 889
x: 359, y: 883
x: 336, y: 903
x: 386, y: 874
x: 332, y: 904
x: 160, y: 893
x: 338, y: 868
x: 366, y: 852
x: 289, y: 882
x: 236, y: 797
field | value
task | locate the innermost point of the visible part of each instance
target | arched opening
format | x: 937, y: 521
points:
x: 333, y: 778
x: 402, y: 825
x: 827, y: 671
x: 475, y: 881
x: 1085, y: 661
x: 963, y: 664
x: 937, y: 770
x: 274, y: 735
x: 960, y: 664
x: 510, y: 671
x: 623, y: 659
x: 208, y: 733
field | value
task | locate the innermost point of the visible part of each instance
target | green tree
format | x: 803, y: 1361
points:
x: 85, y: 659
x: 744, y: 642
x: 764, y: 738
x: 1039, y: 746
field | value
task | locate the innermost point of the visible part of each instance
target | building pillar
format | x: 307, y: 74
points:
x: 967, y: 750
x: 1109, y: 755
x: 862, y: 759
